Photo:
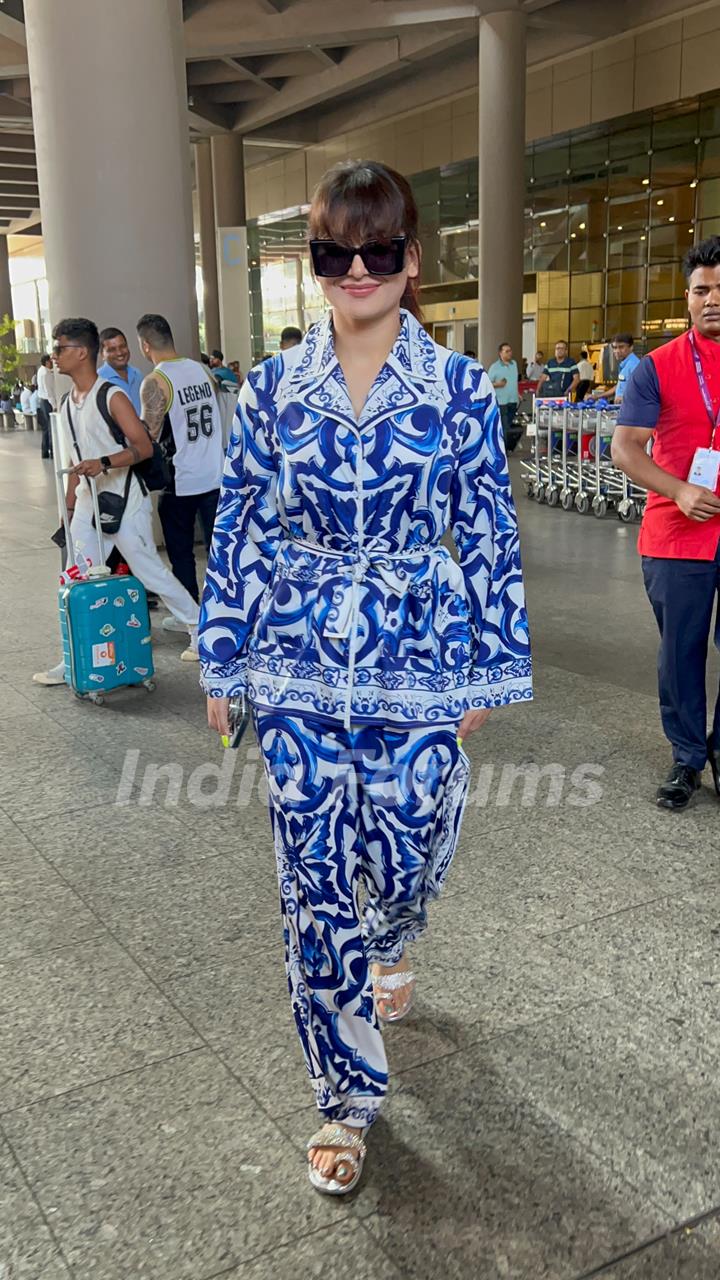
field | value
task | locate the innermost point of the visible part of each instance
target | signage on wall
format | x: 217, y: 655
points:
x: 232, y: 249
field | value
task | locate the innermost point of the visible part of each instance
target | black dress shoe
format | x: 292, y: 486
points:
x: 714, y: 761
x: 679, y: 787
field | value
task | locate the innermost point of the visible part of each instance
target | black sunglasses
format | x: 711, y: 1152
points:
x: 332, y: 259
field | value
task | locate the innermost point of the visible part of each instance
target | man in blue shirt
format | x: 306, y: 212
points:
x: 220, y: 371
x: 561, y: 375
x: 622, y: 345
x: 504, y: 376
x: 116, y: 367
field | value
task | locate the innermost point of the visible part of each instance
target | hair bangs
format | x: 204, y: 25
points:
x: 360, y: 201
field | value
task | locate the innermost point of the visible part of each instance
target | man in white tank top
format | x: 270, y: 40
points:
x: 180, y: 410
x: 97, y: 453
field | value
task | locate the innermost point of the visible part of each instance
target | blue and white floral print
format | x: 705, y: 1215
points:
x: 379, y: 807
x: 328, y: 591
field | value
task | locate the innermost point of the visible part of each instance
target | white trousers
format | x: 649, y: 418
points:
x: 136, y: 544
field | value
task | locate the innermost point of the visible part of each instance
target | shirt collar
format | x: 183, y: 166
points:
x: 106, y: 371
x: 413, y: 354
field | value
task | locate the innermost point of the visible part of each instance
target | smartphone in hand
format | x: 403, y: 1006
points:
x: 238, y: 720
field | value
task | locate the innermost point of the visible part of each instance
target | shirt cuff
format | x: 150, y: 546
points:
x: 216, y: 686
x: 499, y: 686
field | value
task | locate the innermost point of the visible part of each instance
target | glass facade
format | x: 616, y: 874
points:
x: 29, y: 287
x: 284, y: 291
x: 610, y: 212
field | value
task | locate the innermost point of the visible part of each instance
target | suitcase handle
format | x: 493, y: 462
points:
x: 100, y: 570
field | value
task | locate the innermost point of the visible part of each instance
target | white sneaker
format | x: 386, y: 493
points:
x: 56, y: 675
x: 174, y: 624
x: 191, y: 653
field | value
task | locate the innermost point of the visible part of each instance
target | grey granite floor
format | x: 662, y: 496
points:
x: 555, y: 1108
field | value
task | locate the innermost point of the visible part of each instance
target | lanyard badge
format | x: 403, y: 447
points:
x: 705, y: 469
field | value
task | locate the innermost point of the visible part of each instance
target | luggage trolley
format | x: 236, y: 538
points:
x: 632, y: 502
x: 570, y: 455
x: 540, y: 473
x: 572, y: 462
x: 535, y: 471
x: 606, y: 477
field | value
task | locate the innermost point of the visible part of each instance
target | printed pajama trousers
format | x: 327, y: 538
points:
x: 365, y: 824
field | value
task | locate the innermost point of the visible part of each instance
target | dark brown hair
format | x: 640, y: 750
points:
x: 360, y: 200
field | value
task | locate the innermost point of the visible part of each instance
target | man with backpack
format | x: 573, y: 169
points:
x: 108, y: 443
x: 180, y: 410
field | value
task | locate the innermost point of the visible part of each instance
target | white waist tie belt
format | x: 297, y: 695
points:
x: 344, y: 625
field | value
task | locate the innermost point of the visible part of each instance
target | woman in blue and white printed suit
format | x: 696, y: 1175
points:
x: 365, y: 649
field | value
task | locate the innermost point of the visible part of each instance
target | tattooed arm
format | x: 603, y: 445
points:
x: 155, y: 398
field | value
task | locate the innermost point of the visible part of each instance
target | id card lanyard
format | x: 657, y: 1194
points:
x: 699, y: 374
x: 705, y: 468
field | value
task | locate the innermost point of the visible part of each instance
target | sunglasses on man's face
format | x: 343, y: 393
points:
x: 379, y: 259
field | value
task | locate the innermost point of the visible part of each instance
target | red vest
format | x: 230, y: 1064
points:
x: 682, y: 426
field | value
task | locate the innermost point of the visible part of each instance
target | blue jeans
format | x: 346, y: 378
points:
x: 508, y: 414
x: 683, y: 595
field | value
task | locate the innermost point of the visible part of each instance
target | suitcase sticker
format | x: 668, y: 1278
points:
x: 103, y: 655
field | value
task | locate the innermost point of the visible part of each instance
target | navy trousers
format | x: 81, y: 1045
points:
x: 44, y: 410
x: 508, y: 414
x: 177, y: 517
x: 683, y: 594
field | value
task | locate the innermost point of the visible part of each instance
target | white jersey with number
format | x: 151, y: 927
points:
x: 196, y: 451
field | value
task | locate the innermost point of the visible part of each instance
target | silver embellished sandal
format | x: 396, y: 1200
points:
x: 351, y: 1151
x: 394, y: 994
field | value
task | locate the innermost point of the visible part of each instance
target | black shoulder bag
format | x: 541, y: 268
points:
x: 111, y: 505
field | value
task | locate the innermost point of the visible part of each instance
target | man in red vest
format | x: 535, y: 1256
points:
x: 673, y: 399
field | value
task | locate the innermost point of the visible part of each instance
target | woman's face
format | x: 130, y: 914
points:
x: 361, y: 298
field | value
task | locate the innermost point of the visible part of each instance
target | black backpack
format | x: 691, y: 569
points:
x: 152, y: 472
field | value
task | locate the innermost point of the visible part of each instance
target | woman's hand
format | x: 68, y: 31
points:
x: 473, y: 720
x: 217, y: 713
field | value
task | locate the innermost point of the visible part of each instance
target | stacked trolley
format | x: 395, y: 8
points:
x: 571, y: 465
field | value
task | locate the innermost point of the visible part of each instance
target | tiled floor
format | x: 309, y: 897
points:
x: 555, y: 1110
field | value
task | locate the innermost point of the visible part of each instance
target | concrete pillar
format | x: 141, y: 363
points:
x: 501, y: 182
x: 232, y: 251
x: 300, y: 293
x: 113, y: 160
x: 6, y: 306
x: 208, y: 249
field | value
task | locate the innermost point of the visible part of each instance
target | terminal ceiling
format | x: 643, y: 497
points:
x: 286, y: 73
